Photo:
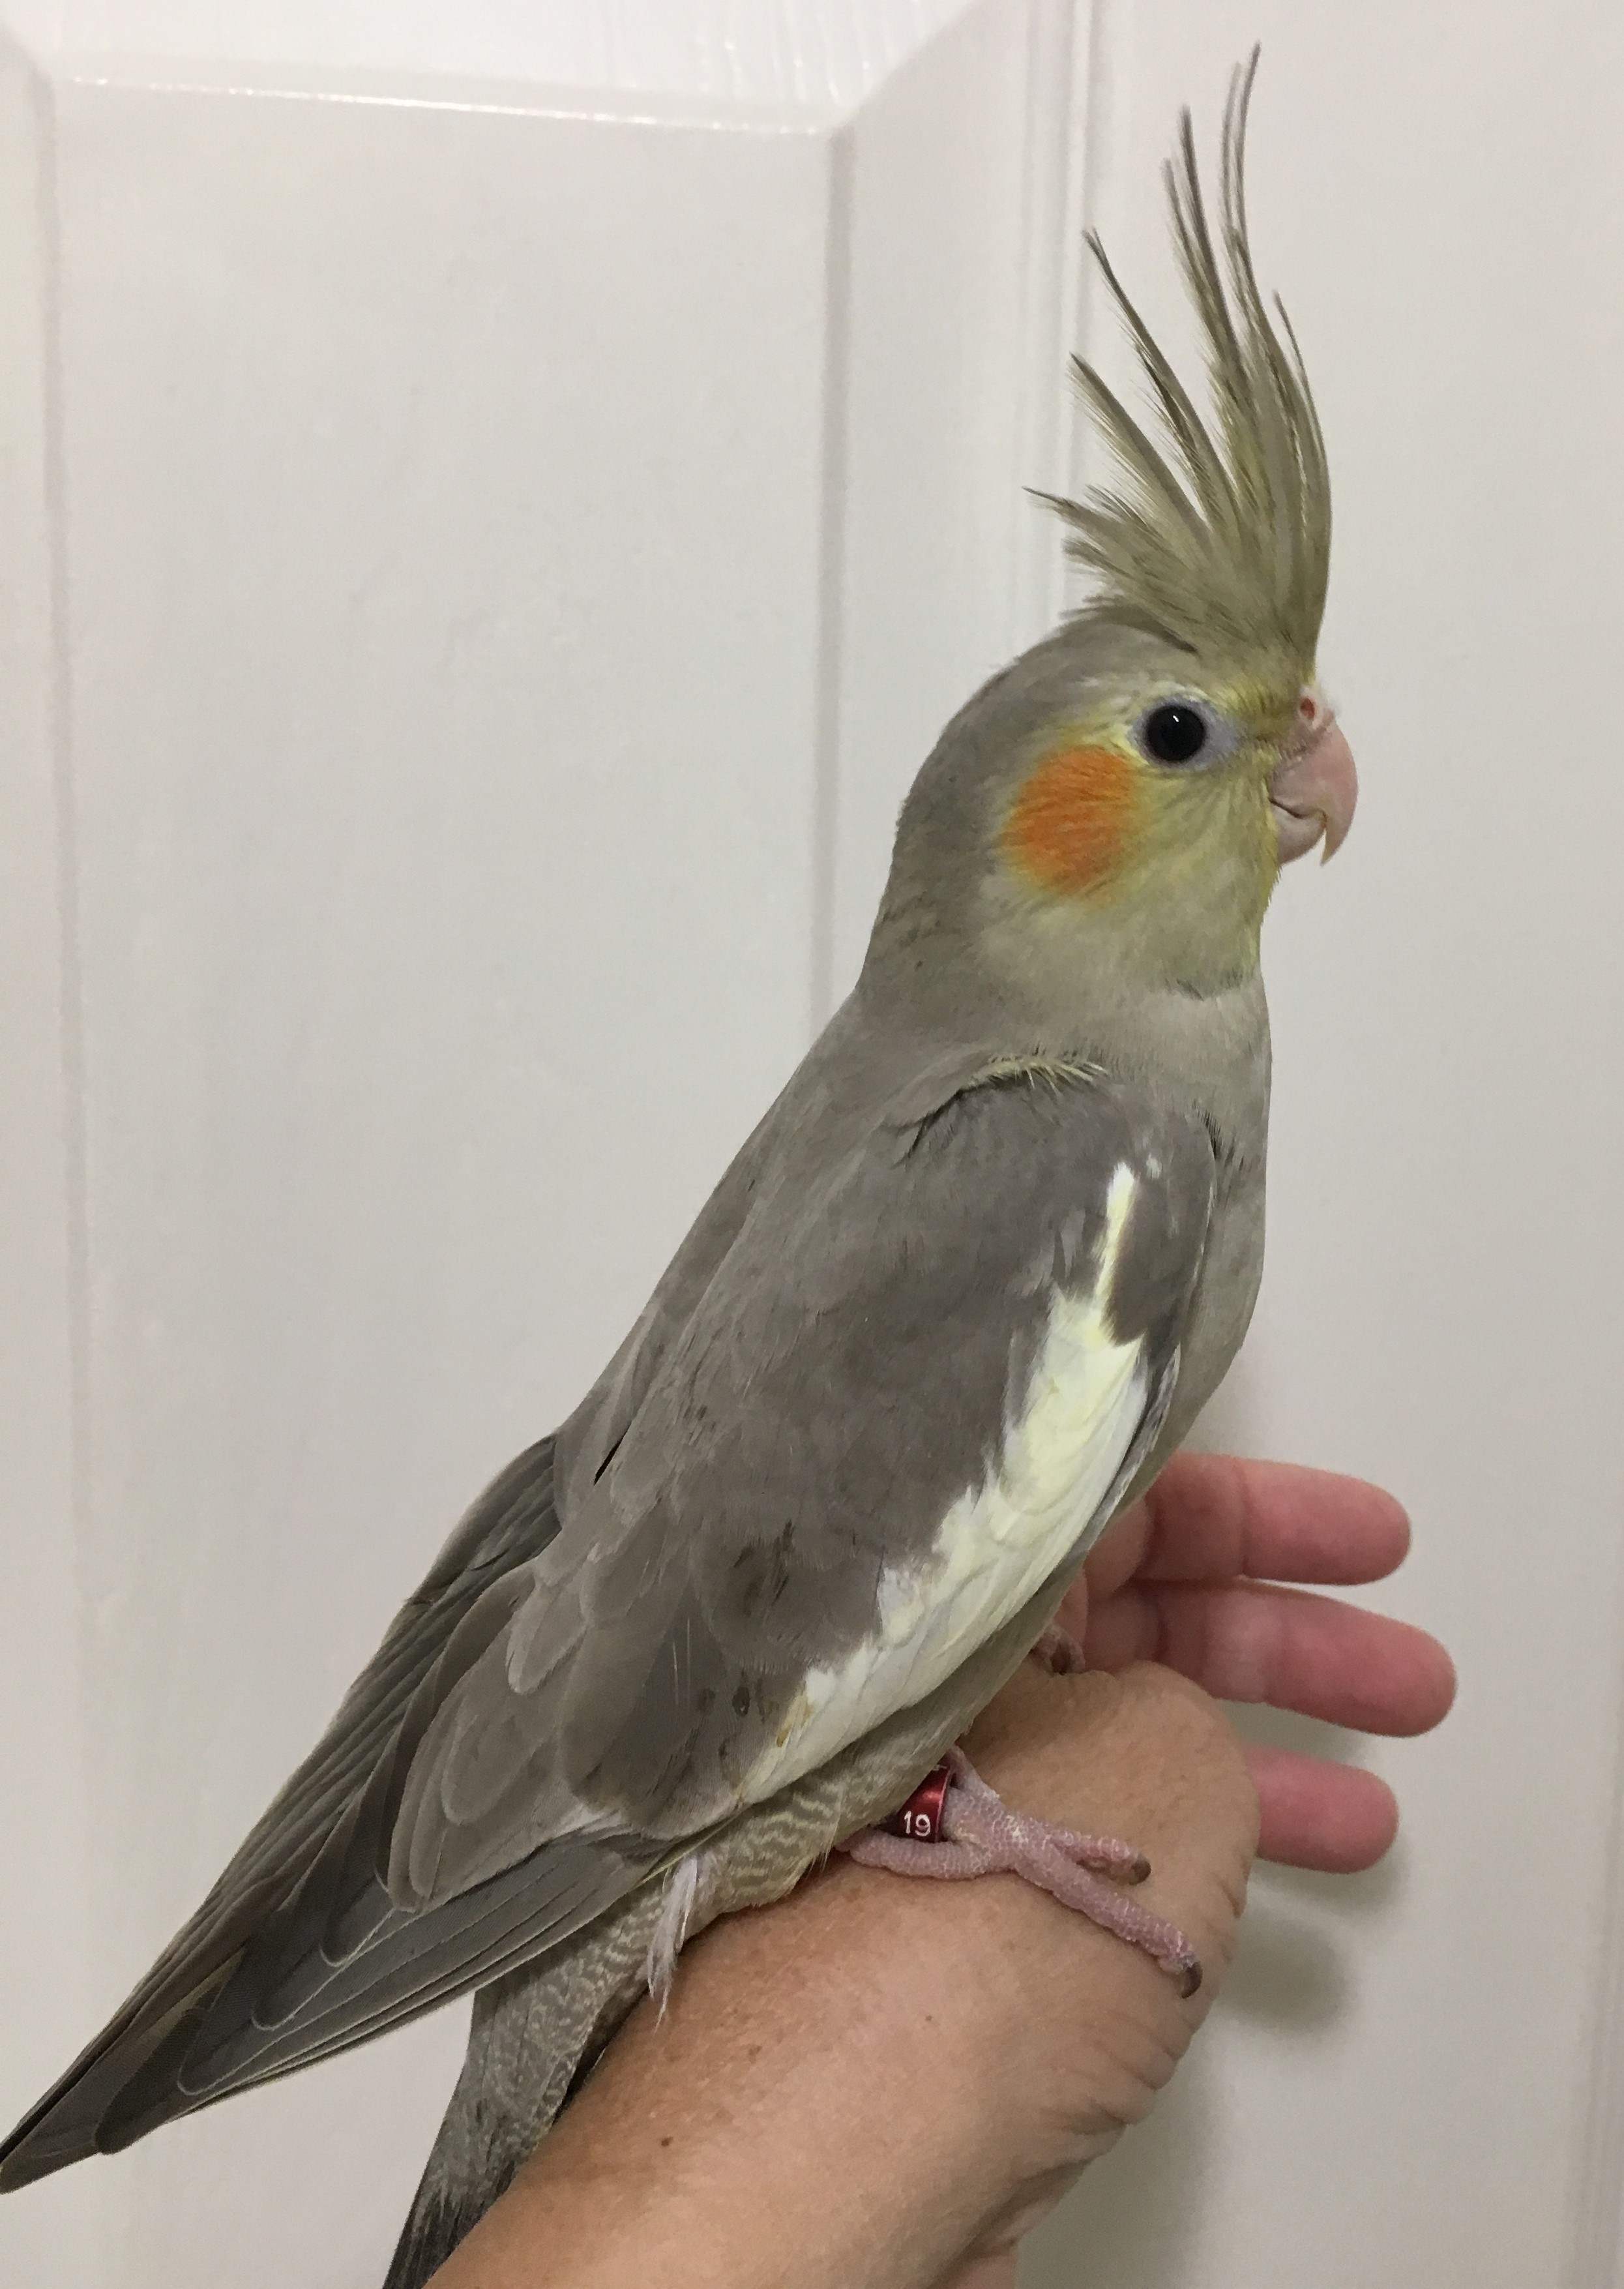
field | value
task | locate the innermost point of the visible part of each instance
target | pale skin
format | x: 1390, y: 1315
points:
x: 882, y: 2084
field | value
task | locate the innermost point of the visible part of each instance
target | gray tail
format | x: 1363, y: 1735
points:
x: 432, y: 2232
x: 536, y: 2035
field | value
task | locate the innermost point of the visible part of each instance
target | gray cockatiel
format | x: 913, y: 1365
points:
x: 954, y: 1303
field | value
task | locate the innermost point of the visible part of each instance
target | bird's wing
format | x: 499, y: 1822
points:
x: 908, y: 1374
x: 302, y: 1894
x: 442, y: 1626
x: 903, y: 1400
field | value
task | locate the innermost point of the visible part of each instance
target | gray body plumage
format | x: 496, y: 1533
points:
x: 960, y: 1295
x: 575, y: 1695
x: 1192, y: 1285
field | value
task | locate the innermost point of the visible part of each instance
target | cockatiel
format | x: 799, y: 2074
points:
x: 955, y: 1302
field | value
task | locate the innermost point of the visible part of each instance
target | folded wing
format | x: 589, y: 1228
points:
x: 903, y: 1370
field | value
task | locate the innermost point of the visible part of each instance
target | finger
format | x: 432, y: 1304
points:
x: 1254, y: 1641
x: 1316, y: 1815
x: 1210, y: 1516
x: 1115, y: 1559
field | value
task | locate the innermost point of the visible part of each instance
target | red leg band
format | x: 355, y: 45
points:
x: 920, y: 1817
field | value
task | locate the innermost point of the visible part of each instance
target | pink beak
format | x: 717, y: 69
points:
x: 1313, y: 792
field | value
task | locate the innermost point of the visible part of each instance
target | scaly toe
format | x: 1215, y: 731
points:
x: 1109, y: 1856
x: 1071, y: 1868
x: 954, y: 1828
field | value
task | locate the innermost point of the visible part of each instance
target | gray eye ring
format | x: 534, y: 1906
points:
x: 1180, y: 733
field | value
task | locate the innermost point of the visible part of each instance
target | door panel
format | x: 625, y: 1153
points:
x: 497, y: 502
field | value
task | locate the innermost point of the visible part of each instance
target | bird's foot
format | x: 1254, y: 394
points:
x: 954, y: 1827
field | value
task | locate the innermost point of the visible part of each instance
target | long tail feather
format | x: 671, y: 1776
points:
x: 536, y: 2035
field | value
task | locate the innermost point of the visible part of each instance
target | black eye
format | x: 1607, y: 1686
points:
x: 1174, y: 733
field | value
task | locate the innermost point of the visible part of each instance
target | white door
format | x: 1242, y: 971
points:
x: 493, y: 505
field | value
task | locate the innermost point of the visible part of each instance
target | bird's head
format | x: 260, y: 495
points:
x: 1123, y: 795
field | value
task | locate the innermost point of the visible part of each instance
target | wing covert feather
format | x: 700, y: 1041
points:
x: 244, y: 1930
x: 846, y: 1375
x: 585, y: 1678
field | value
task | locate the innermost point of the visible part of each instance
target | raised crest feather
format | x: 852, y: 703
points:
x: 1217, y: 536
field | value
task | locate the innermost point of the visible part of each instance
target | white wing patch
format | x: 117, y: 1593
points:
x: 1000, y: 1542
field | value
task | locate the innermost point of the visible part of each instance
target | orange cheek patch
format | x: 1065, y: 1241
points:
x: 1070, y: 820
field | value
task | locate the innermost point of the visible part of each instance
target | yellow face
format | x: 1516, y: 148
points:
x: 1166, y: 805
x: 1110, y: 795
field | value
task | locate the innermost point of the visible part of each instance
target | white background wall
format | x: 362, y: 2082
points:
x: 497, y: 503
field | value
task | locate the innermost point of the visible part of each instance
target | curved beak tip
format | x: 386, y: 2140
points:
x: 1313, y: 795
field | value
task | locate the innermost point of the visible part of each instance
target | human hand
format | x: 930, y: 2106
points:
x: 1194, y: 1577
x: 879, y: 2085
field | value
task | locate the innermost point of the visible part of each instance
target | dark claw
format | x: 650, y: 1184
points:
x: 1059, y: 1652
